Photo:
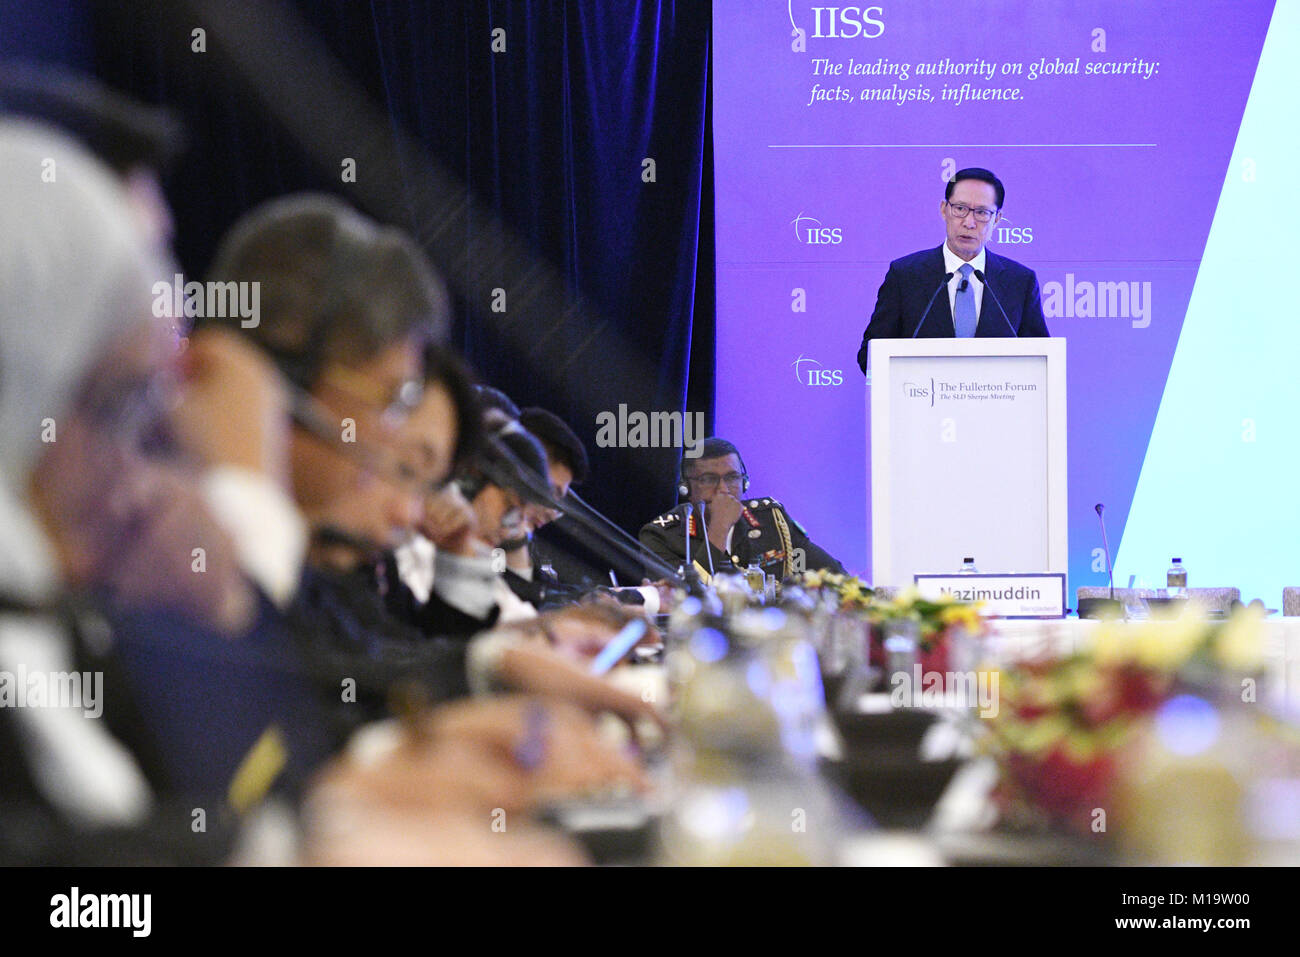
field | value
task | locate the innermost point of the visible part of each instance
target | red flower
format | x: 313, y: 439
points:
x: 1064, y: 787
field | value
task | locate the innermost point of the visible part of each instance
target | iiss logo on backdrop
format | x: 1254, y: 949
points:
x: 808, y: 371
x: 835, y: 23
x: 1012, y: 235
x: 810, y: 231
x: 970, y: 390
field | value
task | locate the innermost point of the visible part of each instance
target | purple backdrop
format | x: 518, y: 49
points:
x: 1110, y: 176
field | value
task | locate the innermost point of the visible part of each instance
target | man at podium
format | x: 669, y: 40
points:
x: 959, y: 289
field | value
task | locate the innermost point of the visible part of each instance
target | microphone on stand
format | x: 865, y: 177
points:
x: 947, y: 278
x: 708, y: 546
x: 989, y: 289
x: 1103, y: 607
x: 1110, y: 571
x: 690, y: 577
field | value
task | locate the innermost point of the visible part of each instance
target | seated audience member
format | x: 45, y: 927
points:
x: 137, y: 141
x: 490, y: 398
x: 530, y: 563
x: 729, y: 529
x: 346, y: 309
x: 500, y: 485
x: 92, y: 501
x: 212, y: 476
x: 83, y: 507
x: 566, y: 465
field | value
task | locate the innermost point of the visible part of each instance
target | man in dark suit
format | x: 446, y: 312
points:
x: 987, y: 294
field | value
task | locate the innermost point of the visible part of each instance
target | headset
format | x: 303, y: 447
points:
x: 302, y: 364
x: 684, y: 488
x: 498, y: 465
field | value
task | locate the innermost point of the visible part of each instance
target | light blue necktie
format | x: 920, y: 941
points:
x: 963, y: 311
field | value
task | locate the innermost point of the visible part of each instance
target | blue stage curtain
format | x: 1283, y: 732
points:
x: 551, y: 134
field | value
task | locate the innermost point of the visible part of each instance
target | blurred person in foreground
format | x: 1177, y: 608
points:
x: 554, y: 460
x: 450, y: 568
x: 95, y: 501
x: 86, y: 509
x: 347, y: 310
x: 527, y: 567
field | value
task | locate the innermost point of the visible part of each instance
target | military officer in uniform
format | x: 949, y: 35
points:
x: 728, y: 530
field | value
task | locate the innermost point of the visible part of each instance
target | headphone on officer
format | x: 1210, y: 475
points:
x: 684, y: 488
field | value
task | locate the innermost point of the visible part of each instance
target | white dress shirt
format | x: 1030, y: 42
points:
x: 951, y: 263
x: 77, y: 763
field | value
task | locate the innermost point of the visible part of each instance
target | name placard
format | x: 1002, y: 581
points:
x: 1004, y: 596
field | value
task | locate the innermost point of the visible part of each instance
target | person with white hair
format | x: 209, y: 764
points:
x: 82, y: 508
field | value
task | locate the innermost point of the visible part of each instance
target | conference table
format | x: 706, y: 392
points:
x: 958, y: 831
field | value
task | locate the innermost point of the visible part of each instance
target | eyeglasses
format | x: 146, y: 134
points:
x: 710, y: 480
x: 961, y: 211
x: 377, y: 458
x: 396, y: 405
x: 135, y: 412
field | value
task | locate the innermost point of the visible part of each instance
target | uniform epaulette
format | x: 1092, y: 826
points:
x: 767, y: 504
x: 666, y: 520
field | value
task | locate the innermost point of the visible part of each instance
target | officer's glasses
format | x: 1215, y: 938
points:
x: 710, y: 480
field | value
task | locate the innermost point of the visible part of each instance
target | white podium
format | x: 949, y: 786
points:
x: 968, y: 456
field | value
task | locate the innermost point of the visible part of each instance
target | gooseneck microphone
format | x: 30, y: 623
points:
x: 989, y: 289
x: 708, y: 546
x: 686, y: 527
x: 947, y: 278
x: 690, y: 576
x: 1109, y: 570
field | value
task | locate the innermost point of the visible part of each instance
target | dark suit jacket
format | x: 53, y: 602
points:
x: 912, y: 280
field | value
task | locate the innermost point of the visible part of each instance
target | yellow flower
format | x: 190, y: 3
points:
x: 965, y: 615
x: 907, y: 597
x: 1112, y: 644
x: 1085, y: 681
x: 1168, y: 645
x: 1239, y: 645
x: 1042, y: 734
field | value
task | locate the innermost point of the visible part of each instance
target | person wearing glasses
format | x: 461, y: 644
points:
x: 728, y: 529
x: 912, y: 300
x: 348, y: 308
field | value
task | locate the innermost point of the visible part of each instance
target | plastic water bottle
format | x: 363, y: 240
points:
x: 968, y: 567
x: 1177, y: 579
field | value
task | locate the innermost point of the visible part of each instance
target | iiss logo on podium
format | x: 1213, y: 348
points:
x: 915, y: 390
x: 971, y: 390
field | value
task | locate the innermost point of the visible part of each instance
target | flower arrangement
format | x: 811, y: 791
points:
x: 936, y: 618
x: 852, y: 592
x: 1065, y: 721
